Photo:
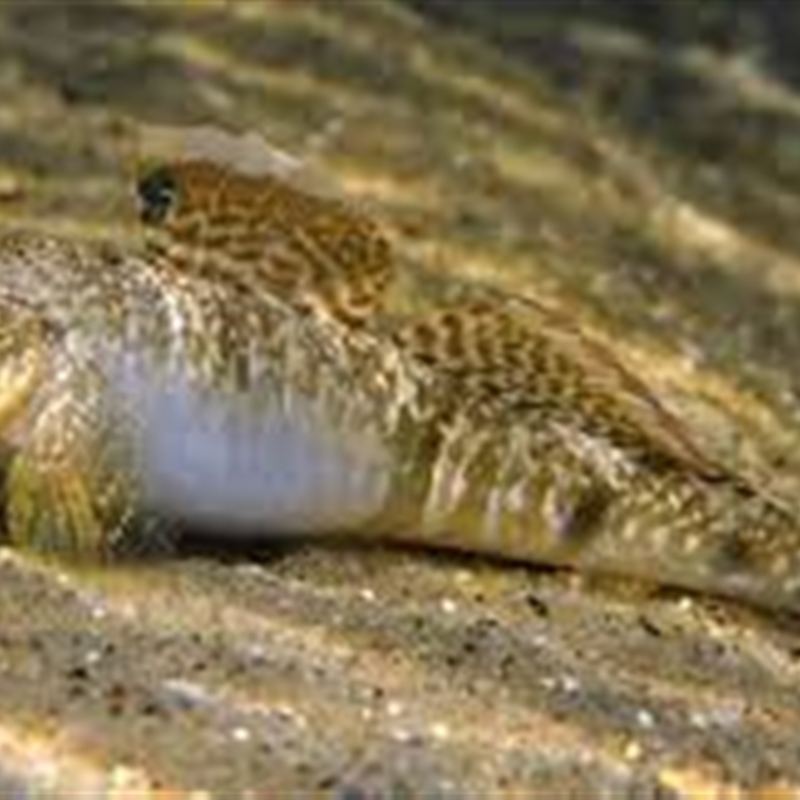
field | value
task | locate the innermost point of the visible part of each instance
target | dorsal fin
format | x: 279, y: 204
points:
x: 255, y: 218
x: 246, y: 154
x: 520, y: 354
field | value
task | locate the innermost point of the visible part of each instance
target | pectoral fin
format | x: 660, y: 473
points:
x: 68, y: 488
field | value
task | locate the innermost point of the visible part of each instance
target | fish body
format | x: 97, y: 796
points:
x: 247, y: 370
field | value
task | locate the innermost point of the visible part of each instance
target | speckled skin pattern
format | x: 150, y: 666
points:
x: 490, y: 424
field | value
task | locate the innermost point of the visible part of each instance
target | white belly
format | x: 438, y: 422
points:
x: 216, y: 462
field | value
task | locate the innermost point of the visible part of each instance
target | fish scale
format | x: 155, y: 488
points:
x: 249, y: 369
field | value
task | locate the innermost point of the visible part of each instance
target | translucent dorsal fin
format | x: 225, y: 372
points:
x: 247, y: 153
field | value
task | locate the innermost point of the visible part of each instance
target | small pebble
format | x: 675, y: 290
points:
x: 645, y: 719
x: 402, y: 735
x: 570, y: 684
x: 685, y: 604
x: 394, y: 708
x: 440, y: 730
x: 633, y: 751
x: 256, y: 653
x: 187, y: 692
x: 240, y: 734
x: 448, y: 606
x: 698, y: 719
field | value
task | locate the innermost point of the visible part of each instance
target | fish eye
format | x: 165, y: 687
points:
x: 157, y: 191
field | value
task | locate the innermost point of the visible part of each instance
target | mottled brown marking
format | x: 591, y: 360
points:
x: 315, y: 247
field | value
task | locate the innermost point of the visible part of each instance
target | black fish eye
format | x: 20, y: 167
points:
x: 157, y: 191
